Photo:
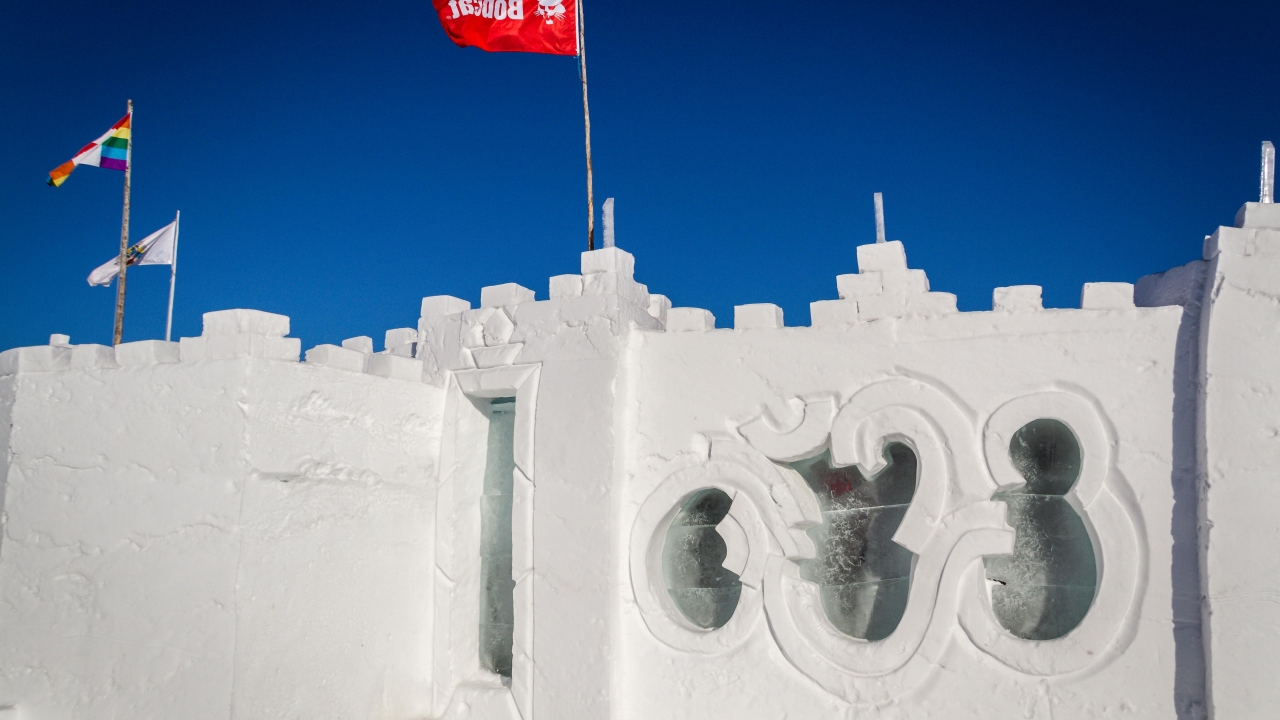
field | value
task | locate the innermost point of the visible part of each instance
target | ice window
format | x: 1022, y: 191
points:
x: 863, y: 574
x: 1043, y: 590
x: 497, y: 603
x: 704, y: 591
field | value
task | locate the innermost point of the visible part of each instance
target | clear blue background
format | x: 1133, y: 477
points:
x: 336, y: 162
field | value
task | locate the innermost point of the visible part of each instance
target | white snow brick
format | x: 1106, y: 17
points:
x: 564, y: 286
x: 612, y: 259
x: 498, y: 329
x: 60, y: 340
x: 437, y: 305
x: 84, y: 357
x: 242, y: 345
x: 659, y: 305
x: 472, y: 329
x: 900, y: 306
x: 852, y: 287
x: 1106, y: 296
x: 690, y: 320
x: 252, y: 322
x: 757, y: 316
x: 1259, y: 215
x: 146, y: 352
x: 41, y: 358
x: 337, y: 357
x: 611, y: 283
x: 488, y: 357
x: 905, y: 282
x: 360, y: 343
x: 394, y: 367
x: 505, y: 294
x: 879, y: 257
x: 831, y: 313
x: 401, y: 341
x: 1016, y: 298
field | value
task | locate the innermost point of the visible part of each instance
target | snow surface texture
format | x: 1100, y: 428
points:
x: 212, y: 529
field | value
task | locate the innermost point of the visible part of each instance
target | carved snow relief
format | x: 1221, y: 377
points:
x: 892, y: 525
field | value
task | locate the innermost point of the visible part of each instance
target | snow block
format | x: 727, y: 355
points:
x: 60, y: 340
x: 757, y: 316
x: 497, y: 356
x: 84, y: 357
x: 612, y: 283
x: 41, y: 358
x: 1016, y: 298
x: 563, y: 286
x: 436, y: 305
x: 1106, y: 296
x: 615, y: 260
x: 146, y: 352
x: 879, y: 257
x: 852, y: 287
x: 498, y: 329
x: 337, y: 357
x: 831, y: 313
x: 505, y: 294
x: 1259, y: 215
x: 690, y: 320
x: 901, y: 306
x: 905, y: 282
x: 252, y: 322
x: 659, y: 305
x: 243, y: 345
x: 394, y: 367
x: 360, y: 343
x: 396, y: 337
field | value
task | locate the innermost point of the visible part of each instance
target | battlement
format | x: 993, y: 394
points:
x: 597, y: 505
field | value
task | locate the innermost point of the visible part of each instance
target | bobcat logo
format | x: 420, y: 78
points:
x: 550, y: 9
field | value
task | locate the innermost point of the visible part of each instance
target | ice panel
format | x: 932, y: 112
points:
x: 707, y: 607
x: 692, y: 555
x: 1042, y: 612
x: 495, y: 648
x: 864, y: 575
x: 868, y: 611
x: 1047, y: 455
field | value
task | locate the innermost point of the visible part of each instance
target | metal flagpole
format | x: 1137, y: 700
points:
x: 586, y: 117
x: 173, y: 275
x: 879, y: 200
x: 124, y: 234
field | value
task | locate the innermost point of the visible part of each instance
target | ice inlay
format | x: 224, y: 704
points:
x: 864, y: 576
x: 1044, y: 589
x: 497, y: 599
x: 702, y: 589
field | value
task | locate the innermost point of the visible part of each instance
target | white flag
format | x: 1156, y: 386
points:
x: 154, y: 249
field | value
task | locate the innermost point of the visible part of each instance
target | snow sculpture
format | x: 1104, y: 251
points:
x: 601, y: 506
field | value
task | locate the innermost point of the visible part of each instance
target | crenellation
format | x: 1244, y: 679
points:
x: 360, y: 344
x: 93, y: 357
x: 147, y: 352
x: 442, y: 305
x: 1016, y: 299
x: 565, y: 286
x: 879, y: 257
x: 340, y: 358
x: 1106, y: 296
x: 495, y: 296
x: 860, y: 285
x: 758, y: 316
x: 683, y: 319
x: 659, y: 306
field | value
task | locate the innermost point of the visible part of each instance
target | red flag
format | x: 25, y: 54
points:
x: 541, y: 26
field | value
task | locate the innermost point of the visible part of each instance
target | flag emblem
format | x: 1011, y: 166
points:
x: 111, y: 151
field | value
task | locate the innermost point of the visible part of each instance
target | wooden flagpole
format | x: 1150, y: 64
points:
x: 586, y: 117
x: 124, y: 234
x: 173, y: 274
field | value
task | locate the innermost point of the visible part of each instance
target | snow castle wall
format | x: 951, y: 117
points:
x: 212, y: 529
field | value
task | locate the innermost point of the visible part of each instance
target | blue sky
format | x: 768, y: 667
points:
x: 336, y: 162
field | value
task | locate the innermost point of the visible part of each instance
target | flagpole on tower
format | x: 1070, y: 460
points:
x: 124, y: 233
x: 586, y: 117
x: 173, y: 275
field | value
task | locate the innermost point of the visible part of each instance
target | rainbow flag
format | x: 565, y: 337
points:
x: 110, y: 151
